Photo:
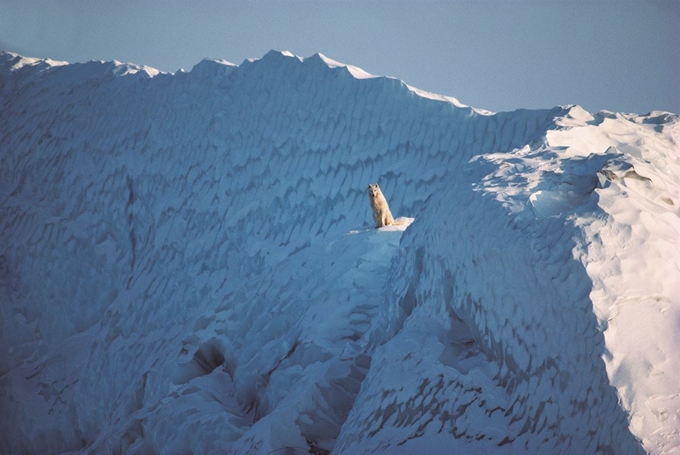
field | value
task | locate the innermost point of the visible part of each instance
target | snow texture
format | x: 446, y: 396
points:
x: 188, y: 264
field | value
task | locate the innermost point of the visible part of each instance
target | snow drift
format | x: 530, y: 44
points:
x: 188, y: 264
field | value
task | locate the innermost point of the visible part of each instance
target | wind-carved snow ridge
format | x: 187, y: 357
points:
x: 188, y: 263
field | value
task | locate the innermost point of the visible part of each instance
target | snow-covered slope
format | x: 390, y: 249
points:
x: 188, y: 264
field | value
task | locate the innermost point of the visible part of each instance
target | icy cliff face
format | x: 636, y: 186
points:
x: 188, y: 263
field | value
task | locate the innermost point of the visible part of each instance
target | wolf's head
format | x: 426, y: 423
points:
x: 373, y: 190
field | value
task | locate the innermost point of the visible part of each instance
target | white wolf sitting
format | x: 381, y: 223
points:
x: 381, y: 211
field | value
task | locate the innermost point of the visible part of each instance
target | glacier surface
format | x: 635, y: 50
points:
x: 188, y: 265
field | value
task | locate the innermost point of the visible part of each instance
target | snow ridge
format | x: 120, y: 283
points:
x: 187, y: 263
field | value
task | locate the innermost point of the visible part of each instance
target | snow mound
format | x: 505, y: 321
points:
x: 188, y: 263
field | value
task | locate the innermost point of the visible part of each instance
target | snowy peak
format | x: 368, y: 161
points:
x: 275, y: 54
x: 213, y: 68
x: 103, y: 69
x: 14, y: 62
x: 273, y: 59
x: 278, y: 60
x: 124, y: 69
x: 9, y: 61
x: 216, y: 68
x: 353, y: 70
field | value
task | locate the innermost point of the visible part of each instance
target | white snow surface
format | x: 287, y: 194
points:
x: 188, y: 264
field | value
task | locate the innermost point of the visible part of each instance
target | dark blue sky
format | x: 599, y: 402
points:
x: 497, y: 55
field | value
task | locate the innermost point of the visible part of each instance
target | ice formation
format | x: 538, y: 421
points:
x: 188, y: 265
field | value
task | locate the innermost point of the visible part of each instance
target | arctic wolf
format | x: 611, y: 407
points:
x: 381, y: 211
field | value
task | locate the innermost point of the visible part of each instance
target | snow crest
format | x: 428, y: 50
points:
x: 188, y: 264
